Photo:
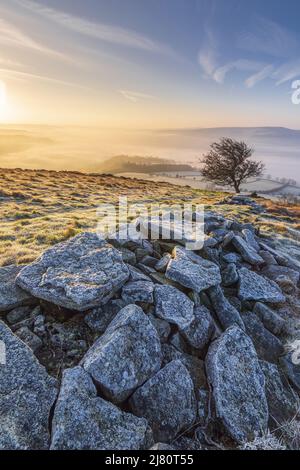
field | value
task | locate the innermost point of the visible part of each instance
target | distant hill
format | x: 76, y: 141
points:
x: 137, y: 164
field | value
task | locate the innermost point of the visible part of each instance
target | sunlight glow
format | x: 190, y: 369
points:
x: 2, y: 101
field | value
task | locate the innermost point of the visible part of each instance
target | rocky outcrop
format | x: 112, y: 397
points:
x: 127, y: 355
x: 252, y: 286
x: 11, y: 296
x: 150, y: 342
x: 173, y: 306
x: 167, y: 400
x: 78, y: 274
x: 192, y: 271
x: 82, y: 420
x: 27, y: 394
x: 227, y: 314
x: 238, y: 385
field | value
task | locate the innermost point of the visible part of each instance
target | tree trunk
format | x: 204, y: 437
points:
x: 237, y: 188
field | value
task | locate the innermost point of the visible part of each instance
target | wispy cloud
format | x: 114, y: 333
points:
x: 241, y: 64
x: 11, y: 35
x: 286, y: 72
x: 135, y: 96
x: 21, y: 75
x: 101, y: 31
x: 207, y: 56
x: 257, y: 77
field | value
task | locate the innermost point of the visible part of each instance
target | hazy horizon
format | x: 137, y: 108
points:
x: 85, y: 149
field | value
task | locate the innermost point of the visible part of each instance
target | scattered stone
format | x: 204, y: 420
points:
x: 99, y: 318
x: 282, y: 400
x: 286, y: 285
x: 194, y: 365
x: 149, y: 261
x: 238, y: 385
x: 173, y: 306
x: 29, y: 338
x: 192, y: 271
x: 210, y: 242
x: 247, y: 252
x: 11, y: 296
x: 18, y: 314
x: 213, y: 255
x: 138, y: 291
x: 230, y: 275
x: 79, y: 274
x: 268, y: 346
x: 199, y: 332
x: 167, y: 401
x: 162, y: 327
x: 39, y: 327
x: 227, y: 314
x: 235, y: 302
x: 271, y: 320
x: 231, y: 258
x: 84, y: 421
x: 274, y: 271
x: 147, y: 270
x: 280, y: 259
x: 27, y: 394
x: 252, y: 286
x: 137, y: 275
x: 267, y: 257
x: 128, y: 256
x: 177, y: 340
x: 290, y: 363
x: 126, y: 355
x: 227, y: 239
x: 250, y: 239
x: 162, y: 264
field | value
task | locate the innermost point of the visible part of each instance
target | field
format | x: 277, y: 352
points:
x: 196, y: 181
x: 41, y: 208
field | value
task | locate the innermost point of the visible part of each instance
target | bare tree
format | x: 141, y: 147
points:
x: 228, y: 163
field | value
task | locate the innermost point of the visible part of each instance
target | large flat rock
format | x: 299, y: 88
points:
x: 252, y: 286
x: 79, y: 274
x: 173, y: 306
x: 27, y: 394
x: 84, y: 421
x: 248, y: 253
x: 192, y: 271
x: 238, y: 385
x: 11, y: 296
x: 127, y: 355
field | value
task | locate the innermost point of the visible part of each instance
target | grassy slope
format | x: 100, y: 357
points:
x: 41, y: 208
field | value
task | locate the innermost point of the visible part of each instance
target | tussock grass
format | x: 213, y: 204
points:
x: 39, y: 208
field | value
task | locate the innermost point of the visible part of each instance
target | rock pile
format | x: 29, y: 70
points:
x: 137, y: 344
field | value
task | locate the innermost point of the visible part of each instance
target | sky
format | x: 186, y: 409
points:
x: 140, y: 64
